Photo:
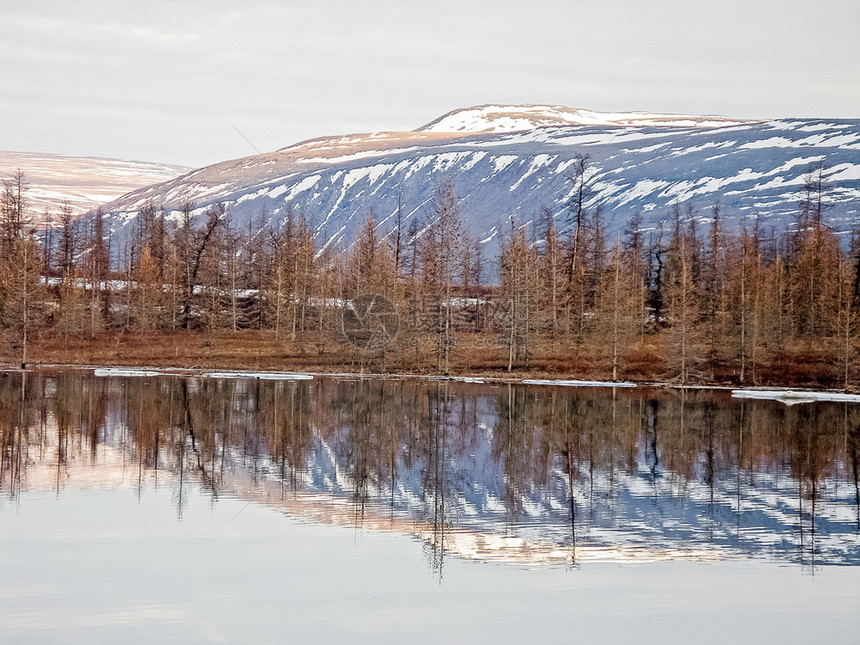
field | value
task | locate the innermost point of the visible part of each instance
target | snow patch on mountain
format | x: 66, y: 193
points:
x: 513, y: 118
x: 844, y: 172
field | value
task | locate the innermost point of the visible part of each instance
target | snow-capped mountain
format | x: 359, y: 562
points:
x: 82, y: 182
x: 511, y: 118
x: 510, y: 161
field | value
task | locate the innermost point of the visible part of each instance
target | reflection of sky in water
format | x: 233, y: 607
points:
x: 105, y: 566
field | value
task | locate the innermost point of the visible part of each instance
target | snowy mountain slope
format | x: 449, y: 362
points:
x: 752, y: 168
x: 83, y: 182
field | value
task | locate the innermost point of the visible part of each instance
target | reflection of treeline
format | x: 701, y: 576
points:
x: 384, y: 436
x: 695, y: 436
x: 687, y: 299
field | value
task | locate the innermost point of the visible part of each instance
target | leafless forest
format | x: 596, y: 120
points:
x: 692, y: 300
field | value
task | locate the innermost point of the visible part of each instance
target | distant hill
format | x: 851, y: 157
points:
x: 509, y: 161
x: 83, y: 182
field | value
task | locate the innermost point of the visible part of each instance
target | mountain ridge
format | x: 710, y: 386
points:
x: 753, y: 168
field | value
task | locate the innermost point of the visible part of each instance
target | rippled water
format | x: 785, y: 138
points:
x: 238, y: 509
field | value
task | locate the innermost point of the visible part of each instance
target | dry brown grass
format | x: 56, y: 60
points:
x: 259, y: 350
x: 246, y: 350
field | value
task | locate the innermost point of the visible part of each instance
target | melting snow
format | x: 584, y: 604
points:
x: 844, y: 172
x: 641, y: 189
x: 512, y: 118
x: 792, y: 397
x: 263, y: 376
x: 771, y: 142
x: 355, y: 175
x: 538, y: 162
x: 502, y: 162
x: 536, y: 381
x: 446, y: 160
x: 472, y: 162
x: 493, y: 232
x: 122, y: 372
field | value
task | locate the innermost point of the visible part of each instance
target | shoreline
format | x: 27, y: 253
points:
x: 789, y: 395
x: 259, y: 351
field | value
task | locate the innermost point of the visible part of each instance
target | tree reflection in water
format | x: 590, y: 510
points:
x: 503, y: 473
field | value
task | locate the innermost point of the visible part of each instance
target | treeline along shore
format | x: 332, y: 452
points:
x: 691, y: 300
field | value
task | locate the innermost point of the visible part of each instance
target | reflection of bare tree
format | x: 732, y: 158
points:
x: 810, y: 442
x: 284, y: 417
x: 853, y: 449
x: 444, y: 456
x: 514, y: 447
x: 12, y: 441
x: 362, y: 423
x: 438, y: 416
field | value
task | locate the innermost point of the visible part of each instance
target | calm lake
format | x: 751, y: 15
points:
x: 195, y: 509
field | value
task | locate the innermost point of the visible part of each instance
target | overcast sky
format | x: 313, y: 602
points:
x: 163, y: 81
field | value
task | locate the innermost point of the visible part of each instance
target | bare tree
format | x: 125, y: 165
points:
x: 440, y: 260
x: 618, y: 304
x: 518, y: 270
x: 19, y: 263
x: 192, y: 246
x: 683, y: 308
x: 576, y: 284
x: 551, y: 272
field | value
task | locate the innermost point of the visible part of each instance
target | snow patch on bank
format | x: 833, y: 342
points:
x: 263, y: 376
x: 793, y: 397
x: 538, y: 381
x: 124, y: 372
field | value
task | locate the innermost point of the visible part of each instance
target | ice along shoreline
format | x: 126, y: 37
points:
x: 788, y: 396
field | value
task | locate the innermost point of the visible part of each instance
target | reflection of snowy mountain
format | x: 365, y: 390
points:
x: 617, y: 515
x: 513, y: 160
x: 644, y: 513
x: 450, y: 483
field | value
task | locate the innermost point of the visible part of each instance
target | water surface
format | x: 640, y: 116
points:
x: 237, y: 510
